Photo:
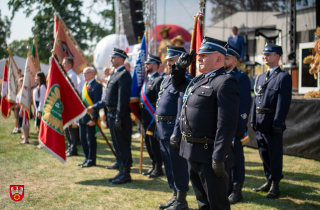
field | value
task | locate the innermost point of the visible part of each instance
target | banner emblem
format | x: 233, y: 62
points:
x: 52, y: 111
x: 16, y: 192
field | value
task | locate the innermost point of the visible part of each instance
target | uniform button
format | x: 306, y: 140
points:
x: 186, y: 106
x: 227, y: 156
x: 190, y: 93
x: 259, y: 102
x: 202, y: 92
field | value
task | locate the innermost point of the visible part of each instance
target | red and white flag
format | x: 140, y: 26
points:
x: 13, y: 80
x: 196, y: 41
x: 6, y: 106
x: 62, y: 107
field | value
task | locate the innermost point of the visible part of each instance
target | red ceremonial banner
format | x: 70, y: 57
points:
x: 6, y: 106
x: 66, y: 46
x: 195, y: 45
x: 62, y: 107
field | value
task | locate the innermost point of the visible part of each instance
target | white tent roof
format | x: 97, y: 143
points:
x: 21, y: 62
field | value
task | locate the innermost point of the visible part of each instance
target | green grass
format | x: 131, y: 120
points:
x: 52, y: 185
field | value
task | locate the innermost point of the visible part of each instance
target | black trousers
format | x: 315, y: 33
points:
x: 73, y: 137
x: 210, y: 190
x: 122, y: 140
x: 153, y: 146
x: 271, y: 153
x: 89, y: 142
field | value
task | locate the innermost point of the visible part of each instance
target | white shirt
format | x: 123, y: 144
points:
x: 81, y: 82
x: 272, y: 70
x: 235, y: 37
x: 89, y: 82
x: 229, y: 71
x: 150, y: 75
x: 119, y: 67
x: 43, y: 91
x: 73, y: 77
x: 208, y: 74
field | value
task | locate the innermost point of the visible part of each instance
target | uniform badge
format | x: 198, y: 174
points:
x: 244, y: 116
x: 16, y: 192
x: 206, y: 86
x: 259, y: 87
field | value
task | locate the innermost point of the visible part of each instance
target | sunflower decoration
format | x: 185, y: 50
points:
x: 52, y: 111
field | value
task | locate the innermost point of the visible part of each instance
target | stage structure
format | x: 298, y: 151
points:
x: 119, y: 25
x: 151, y: 23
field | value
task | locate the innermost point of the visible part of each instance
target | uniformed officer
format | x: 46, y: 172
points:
x: 273, y: 90
x: 237, y: 172
x: 149, y: 95
x: 87, y: 125
x: 117, y: 98
x: 208, y: 121
x: 168, y: 109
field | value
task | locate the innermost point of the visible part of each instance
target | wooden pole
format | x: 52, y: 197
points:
x: 35, y: 45
x: 141, y: 149
x: 76, y: 91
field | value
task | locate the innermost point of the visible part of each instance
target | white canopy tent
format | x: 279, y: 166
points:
x: 21, y: 62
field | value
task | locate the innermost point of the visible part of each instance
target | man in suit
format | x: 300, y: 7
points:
x: 167, y: 130
x: 72, y: 132
x: 237, y: 172
x: 238, y: 42
x: 273, y: 91
x: 87, y: 125
x: 149, y: 96
x: 209, y: 119
x: 117, y: 99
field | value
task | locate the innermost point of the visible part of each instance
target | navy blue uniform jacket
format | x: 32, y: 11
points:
x: 245, y: 98
x: 169, y: 104
x: 273, y: 94
x: 117, y: 94
x: 94, y: 92
x: 212, y: 111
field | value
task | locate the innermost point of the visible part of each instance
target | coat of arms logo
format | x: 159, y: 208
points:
x: 16, y: 192
x: 52, y: 110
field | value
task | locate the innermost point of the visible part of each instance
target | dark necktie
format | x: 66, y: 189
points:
x: 268, y: 73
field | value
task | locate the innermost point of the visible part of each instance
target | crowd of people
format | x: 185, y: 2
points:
x: 191, y: 125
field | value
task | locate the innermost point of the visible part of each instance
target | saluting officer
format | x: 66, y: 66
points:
x: 149, y: 95
x: 273, y: 90
x: 167, y: 125
x: 208, y: 121
x: 117, y: 98
x: 237, y: 172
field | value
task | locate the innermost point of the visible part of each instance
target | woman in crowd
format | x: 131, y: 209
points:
x: 39, y: 98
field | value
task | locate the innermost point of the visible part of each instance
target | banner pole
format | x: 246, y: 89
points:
x: 141, y: 149
x: 76, y: 91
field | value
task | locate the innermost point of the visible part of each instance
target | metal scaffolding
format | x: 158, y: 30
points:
x: 150, y: 13
x: 119, y: 25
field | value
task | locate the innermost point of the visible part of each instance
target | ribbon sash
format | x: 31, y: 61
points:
x: 146, y: 102
x: 88, y: 101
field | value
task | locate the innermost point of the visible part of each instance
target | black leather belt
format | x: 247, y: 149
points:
x: 165, y: 118
x: 109, y: 108
x: 198, y: 140
x: 264, y: 110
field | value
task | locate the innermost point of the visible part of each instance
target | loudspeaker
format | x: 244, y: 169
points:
x: 132, y: 16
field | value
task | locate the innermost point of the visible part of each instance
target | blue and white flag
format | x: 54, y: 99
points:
x: 138, y: 79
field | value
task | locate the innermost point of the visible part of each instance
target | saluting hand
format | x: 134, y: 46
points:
x: 90, y: 110
x: 218, y: 168
x: 185, y: 60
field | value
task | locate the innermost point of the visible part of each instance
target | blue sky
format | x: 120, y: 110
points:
x: 176, y: 13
